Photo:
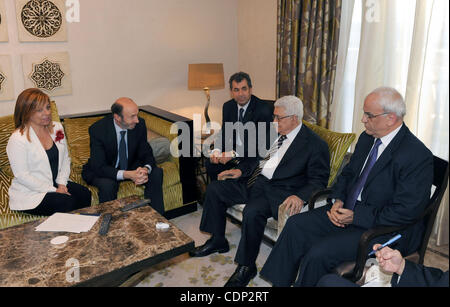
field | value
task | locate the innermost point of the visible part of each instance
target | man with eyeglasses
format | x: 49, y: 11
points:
x: 387, y: 182
x: 296, y: 165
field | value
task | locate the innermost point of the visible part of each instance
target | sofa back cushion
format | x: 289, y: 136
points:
x: 338, y: 144
x: 77, y: 131
x: 160, y: 146
x: 161, y: 127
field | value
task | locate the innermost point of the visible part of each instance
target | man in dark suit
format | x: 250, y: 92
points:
x: 405, y: 272
x: 120, y: 151
x: 296, y: 165
x: 236, y: 143
x: 391, y: 188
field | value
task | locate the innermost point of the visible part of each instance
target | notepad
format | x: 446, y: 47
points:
x: 66, y: 222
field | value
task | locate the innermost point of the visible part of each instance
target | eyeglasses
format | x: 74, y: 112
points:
x: 371, y: 116
x: 278, y: 118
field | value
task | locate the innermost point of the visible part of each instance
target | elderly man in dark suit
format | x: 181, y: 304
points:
x: 120, y: 151
x: 387, y: 182
x: 297, y: 164
x: 235, y: 145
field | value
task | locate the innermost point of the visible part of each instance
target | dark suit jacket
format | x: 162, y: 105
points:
x: 104, y: 149
x: 304, y: 168
x: 416, y: 275
x: 257, y: 111
x: 398, y: 186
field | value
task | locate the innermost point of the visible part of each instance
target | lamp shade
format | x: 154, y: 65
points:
x: 209, y: 75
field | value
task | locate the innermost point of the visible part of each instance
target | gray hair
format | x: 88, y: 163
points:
x: 292, y: 106
x: 391, y: 100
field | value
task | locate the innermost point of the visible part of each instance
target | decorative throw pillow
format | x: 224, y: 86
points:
x: 160, y: 146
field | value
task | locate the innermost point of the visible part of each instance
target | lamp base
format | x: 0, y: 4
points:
x: 207, y: 135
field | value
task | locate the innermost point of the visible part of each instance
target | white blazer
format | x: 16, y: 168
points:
x: 31, y: 168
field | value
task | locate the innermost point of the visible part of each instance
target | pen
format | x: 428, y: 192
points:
x: 385, y: 244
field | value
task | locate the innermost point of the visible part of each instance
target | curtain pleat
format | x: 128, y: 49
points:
x: 308, y: 37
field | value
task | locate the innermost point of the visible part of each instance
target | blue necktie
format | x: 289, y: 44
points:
x: 123, y: 161
x: 357, y: 188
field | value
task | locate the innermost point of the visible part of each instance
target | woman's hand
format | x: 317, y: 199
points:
x: 62, y: 189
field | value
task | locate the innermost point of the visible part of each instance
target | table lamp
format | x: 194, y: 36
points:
x: 206, y: 77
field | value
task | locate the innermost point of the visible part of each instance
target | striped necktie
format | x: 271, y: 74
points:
x: 261, y: 163
x: 241, y: 113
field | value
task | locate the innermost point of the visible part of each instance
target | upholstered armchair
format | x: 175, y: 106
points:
x: 338, y: 145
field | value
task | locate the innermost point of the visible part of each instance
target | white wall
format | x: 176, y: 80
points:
x: 257, y: 20
x: 142, y: 48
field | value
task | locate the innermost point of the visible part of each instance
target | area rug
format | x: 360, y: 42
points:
x: 210, y: 271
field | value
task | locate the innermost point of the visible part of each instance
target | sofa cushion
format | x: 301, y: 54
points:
x: 77, y: 131
x: 6, y: 128
x: 10, y: 218
x: 160, y: 146
x: 338, y: 144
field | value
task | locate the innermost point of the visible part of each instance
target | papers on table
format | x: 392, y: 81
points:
x: 68, y: 223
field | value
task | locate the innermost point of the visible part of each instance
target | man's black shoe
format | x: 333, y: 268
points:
x: 242, y: 276
x: 210, y: 247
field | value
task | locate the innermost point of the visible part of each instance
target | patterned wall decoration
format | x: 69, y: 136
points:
x: 2, y: 78
x: 49, y: 72
x: 41, y: 20
x: 3, y: 24
x: 6, y: 80
x: 47, y: 75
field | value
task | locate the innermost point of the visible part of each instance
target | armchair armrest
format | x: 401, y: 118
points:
x: 363, y: 247
x: 283, y: 215
x: 316, y: 195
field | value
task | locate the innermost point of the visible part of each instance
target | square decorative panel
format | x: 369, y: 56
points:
x: 48, y: 72
x: 3, y: 24
x: 41, y: 20
x: 6, y: 79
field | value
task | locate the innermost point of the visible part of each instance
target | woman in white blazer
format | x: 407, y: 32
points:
x: 39, y: 159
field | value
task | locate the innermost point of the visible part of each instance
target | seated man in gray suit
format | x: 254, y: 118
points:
x: 297, y: 164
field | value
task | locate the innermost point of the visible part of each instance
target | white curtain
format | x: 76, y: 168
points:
x: 403, y: 44
x: 343, y: 112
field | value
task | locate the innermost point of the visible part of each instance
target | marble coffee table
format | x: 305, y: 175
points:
x: 27, y: 258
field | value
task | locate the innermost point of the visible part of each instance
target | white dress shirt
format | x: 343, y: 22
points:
x: 272, y: 164
x: 118, y: 130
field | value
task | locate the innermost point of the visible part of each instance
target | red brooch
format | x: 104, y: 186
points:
x: 59, y: 135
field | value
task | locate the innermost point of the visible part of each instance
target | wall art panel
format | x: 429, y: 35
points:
x: 6, y: 79
x: 41, y: 20
x: 3, y: 23
x: 48, y: 72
